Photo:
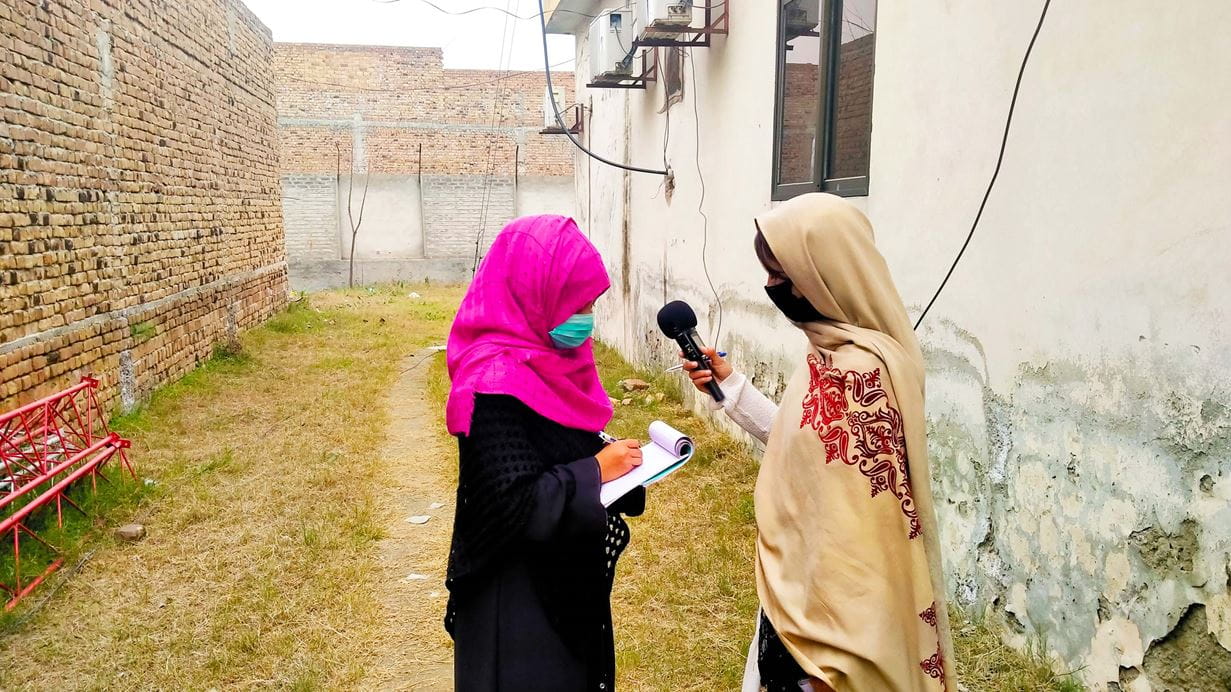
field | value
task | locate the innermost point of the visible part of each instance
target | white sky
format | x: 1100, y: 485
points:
x: 470, y: 41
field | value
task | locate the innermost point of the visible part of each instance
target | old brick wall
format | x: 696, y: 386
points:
x: 461, y: 143
x: 852, y: 125
x: 140, y: 221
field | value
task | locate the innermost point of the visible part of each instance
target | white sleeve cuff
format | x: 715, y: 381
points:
x: 732, y: 387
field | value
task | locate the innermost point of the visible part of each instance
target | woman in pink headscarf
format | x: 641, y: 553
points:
x: 534, y: 550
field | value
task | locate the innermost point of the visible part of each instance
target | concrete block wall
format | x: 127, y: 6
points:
x: 446, y: 151
x: 139, y: 214
x: 462, y: 210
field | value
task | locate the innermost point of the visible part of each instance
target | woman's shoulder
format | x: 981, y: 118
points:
x: 856, y: 358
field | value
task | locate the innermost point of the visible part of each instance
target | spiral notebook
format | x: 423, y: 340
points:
x: 667, y: 451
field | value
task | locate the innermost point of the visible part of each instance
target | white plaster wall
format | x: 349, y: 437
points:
x: 391, y: 225
x: 1078, y: 394
x: 545, y: 195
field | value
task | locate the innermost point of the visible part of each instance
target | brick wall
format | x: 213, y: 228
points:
x: 308, y: 206
x: 398, y: 112
x: 853, y: 119
x: 139, y: 213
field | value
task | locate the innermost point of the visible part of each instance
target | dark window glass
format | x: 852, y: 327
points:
x: 823, y: 112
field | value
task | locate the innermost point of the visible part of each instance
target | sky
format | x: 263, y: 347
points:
x: 470, y: 41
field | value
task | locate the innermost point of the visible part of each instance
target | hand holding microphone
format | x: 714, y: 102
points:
x: 717, y: 371
x: 678, y: 321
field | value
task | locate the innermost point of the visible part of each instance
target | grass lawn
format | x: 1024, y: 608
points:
x: 260, y: 563
x: 257, y: 571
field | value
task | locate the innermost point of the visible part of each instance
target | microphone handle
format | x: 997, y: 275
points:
x: 692, y: 351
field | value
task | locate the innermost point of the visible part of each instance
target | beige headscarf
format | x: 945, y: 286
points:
x: 848, y: 550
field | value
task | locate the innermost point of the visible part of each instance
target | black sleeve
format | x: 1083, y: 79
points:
x: 516, y: 489
x: 567, y: 503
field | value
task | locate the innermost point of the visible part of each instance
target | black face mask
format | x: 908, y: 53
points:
x: 795, y: 308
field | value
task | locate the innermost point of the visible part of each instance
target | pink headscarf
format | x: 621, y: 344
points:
x: 540, y: 271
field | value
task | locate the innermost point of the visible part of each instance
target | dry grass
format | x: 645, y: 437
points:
x: 984, y: 663
x: 262, y: 565
x: 259, y: 564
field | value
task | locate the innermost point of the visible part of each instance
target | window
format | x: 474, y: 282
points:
x: 823, y: 104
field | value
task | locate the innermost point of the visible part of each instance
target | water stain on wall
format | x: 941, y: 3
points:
x: 1083, y: 504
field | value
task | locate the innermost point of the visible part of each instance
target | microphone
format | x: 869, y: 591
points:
x: 679, y: 322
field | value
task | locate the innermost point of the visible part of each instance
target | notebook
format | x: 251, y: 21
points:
x: 667, y: 451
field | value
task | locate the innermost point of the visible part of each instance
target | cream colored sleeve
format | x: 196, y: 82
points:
x: 747, y: 406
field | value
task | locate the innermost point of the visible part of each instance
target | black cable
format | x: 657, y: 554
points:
x: 560, y: 119
x: 999, y: 160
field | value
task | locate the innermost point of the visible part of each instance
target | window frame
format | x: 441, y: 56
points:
x: 827, y: 87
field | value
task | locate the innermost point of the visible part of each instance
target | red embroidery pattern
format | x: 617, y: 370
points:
x: 929, y: 615
x: 934, y: 666
x: 873, y: 437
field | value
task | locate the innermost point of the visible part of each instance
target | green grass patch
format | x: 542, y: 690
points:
x: 142, y: 332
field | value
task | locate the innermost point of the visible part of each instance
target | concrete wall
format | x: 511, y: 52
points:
x: 382, y: 215
x: 407, y: 233
x: 139, y: 215
x: 452, y: 155
x: 1079, y: 408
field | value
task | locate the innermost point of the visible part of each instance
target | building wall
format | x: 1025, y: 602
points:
x: 450, y: 153
x: 1079, y: 414
x: 139, y: 215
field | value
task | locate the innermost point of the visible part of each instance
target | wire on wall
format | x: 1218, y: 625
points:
x: 999, y: 160
x: 555, y: 107
x: 705, y: 219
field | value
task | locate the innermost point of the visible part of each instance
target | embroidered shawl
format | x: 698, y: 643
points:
x: 848, y: 551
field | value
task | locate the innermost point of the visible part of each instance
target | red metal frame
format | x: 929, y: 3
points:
x: 51, y: 443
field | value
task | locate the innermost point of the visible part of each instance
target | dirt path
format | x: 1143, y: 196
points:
x: 413, y: 651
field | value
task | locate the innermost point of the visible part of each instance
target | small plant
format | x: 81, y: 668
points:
x: 142, y: 332
x: 229, y: 352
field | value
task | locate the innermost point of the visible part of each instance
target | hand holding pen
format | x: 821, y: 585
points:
x: 618, y: 457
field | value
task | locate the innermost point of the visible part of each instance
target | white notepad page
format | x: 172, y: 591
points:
x: 667, y: 450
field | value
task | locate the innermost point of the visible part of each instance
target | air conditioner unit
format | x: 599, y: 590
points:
x: 549, y: 114
x: 659, y: 18
x: 802, y: 16
x: 611, y: 46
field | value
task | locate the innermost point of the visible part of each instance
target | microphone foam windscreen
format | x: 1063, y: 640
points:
x: 676, y: 317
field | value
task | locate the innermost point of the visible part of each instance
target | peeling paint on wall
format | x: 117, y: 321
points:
x: 1094, y: 495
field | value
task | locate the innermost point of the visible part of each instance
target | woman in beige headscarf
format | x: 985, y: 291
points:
x: 848, y: 563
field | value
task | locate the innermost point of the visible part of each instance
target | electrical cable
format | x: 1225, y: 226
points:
x: 999, y: 160
x: 555, y: 107
x: 705, y: 227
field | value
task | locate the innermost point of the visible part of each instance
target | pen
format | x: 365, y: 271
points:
x: 607, y: 439
x: 675, y: 368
